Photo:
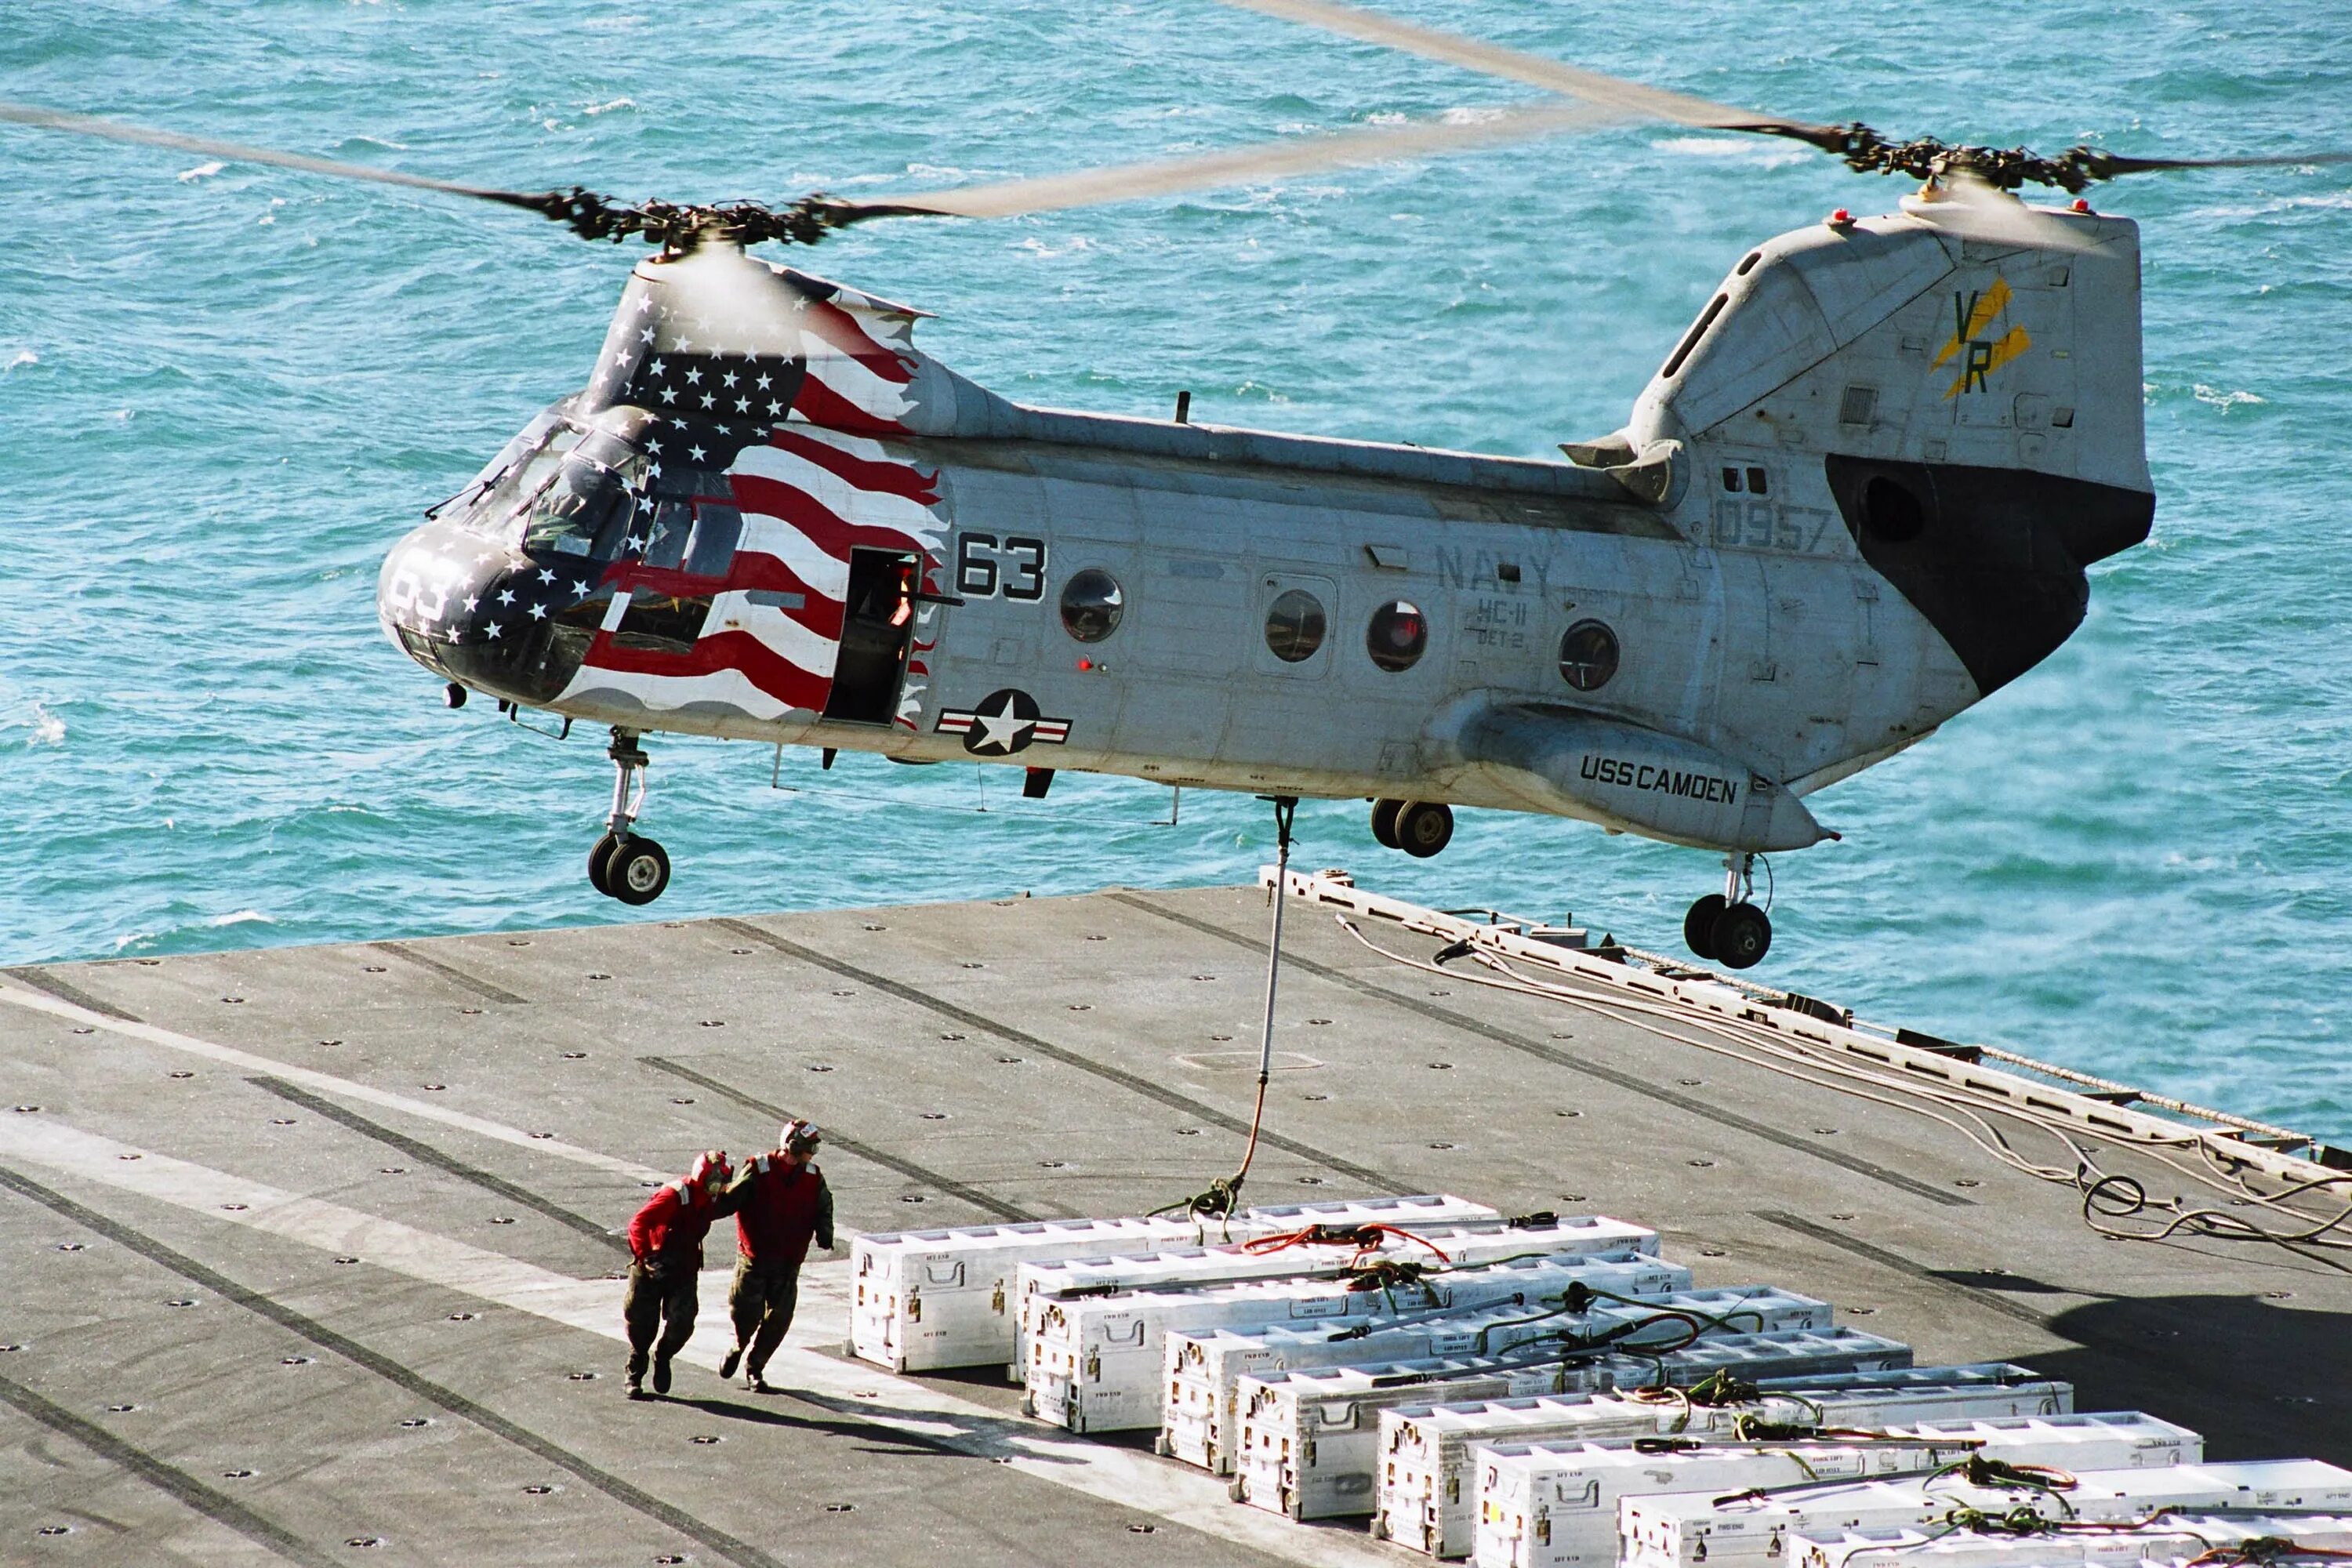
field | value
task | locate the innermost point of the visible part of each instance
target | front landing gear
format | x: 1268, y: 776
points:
x: 1724, y: 927
x: 624, y: 864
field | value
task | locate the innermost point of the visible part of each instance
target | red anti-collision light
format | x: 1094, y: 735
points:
x: 2082, y: 206
x: 1840, y: 215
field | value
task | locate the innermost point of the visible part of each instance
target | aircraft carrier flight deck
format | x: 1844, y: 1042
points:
x: 312, y: 1255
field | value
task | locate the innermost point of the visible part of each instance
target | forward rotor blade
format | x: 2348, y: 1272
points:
x: 1630, y: 99
x: 2107, y: 165
x: 1297, y: 156
x: 116, y: 130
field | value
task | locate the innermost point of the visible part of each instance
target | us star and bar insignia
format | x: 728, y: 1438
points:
x: 1005, y: 722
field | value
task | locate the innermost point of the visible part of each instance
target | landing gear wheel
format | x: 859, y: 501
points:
x: 1384, y: 821
x: 596, y: 859
x: 1424, y: 828
x: 1698, y: 926
x: 1741, y: 936
x: 637, y: 871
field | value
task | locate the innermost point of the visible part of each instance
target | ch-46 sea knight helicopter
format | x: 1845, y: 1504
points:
x: 1857, y: 498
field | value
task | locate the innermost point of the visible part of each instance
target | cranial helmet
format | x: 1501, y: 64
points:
x: 710, y: 1169
x: 800, y: 1137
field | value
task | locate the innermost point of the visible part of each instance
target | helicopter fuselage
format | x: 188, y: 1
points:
x: 785, y: 523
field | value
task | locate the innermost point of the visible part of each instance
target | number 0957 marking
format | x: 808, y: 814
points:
x: 986, y: 565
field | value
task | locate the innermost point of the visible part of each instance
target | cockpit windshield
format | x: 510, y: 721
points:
x: 561, y: 486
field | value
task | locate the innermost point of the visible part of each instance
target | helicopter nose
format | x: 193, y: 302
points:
x: 487, y: 618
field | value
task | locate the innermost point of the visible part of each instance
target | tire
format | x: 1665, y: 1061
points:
x: 637, y: 871
x: 1742, y: 935
x: 1698, y: 926
x: 596, y: 859
x: 1384, y: 821
x: 1424, y: 828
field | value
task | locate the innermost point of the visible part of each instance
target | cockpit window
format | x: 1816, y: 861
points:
x: 583, y: 509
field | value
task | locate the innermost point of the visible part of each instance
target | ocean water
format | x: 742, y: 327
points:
x: 225, y: 391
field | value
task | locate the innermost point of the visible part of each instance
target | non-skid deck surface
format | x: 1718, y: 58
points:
x: 306, y: 1255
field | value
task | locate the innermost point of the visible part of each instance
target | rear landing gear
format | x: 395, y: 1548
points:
x: 624, y: 864
x: 1724, y: 927
x: 1419, y: 828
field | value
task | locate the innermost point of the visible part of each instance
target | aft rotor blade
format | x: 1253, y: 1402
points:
x: 1630, y: 100
x: 2107, y: 165
x: 1239, y: 165
x: 116, y: 130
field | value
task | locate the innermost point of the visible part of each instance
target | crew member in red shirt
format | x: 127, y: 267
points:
x: 781, y: 1204
x: 665, y: 1256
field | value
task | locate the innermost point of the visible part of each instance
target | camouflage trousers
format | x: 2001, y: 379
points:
x: 761, y: 1301
x: 663, y: 1303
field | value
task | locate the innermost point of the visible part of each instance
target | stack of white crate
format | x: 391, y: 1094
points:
x: 1309, y: 1437
x: 1555, y: 1504
x: 1686, y: 1529
x: 2174, y: 1538
x: 1201, y: 1381
x: 925, y: 1300
x: 1042, y: 1282
x: 1426, y: 1494
x: 1095, y: 1361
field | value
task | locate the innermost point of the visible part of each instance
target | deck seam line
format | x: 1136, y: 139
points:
x: 980, y: 1200
x: 213, y: 1504
x: 1624, y: 1080
x: 1901, y: 1265
x: 328, y: 1083
x: 486, y: 989
x: 36, y: 975
x: 393, y: 1372
x: 1133, y: 1082
x: 416, y: 1149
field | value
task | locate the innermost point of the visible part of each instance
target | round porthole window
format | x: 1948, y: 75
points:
x: 1398, y: 635
x: 1092, y: 602
x: 1295, y: 626
x: 1588, y: 655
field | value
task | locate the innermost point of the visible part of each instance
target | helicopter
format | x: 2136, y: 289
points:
x: 1858, y: 497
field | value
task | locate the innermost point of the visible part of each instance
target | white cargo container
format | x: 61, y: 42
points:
x: 1688, y: 1529
x: 926, y: 1300
x: 1309, y: 1442
x: 2174, y: 1538
x: 1095, y: 1361
x: 1045, y: 1280
x: 1427, y: 1493
x: 1202, y: 1374
x: 1554, y: 1505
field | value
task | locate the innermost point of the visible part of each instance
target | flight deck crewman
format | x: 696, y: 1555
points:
x: 665, y: 1256
x: 781, y: 1204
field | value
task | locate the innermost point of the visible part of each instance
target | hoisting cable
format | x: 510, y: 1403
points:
x: 1222, y: 1196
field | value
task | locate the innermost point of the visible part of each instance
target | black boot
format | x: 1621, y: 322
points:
x: 661, y: 1374
x: 636, y: 1375
x: 734, y: 1358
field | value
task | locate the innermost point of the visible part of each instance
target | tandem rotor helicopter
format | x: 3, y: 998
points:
x: 1857, y: 498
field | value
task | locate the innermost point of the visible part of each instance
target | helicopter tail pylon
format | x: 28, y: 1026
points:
x: 1955, y: 388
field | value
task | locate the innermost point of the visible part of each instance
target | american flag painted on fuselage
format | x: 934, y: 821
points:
x: 796, y: 429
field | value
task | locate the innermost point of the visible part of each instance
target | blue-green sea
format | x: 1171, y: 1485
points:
x: 225, y: 391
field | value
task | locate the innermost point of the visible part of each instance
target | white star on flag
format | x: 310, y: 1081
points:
x: 538, y: 612
x: 694, y: 375
x: 490, y: 630
x: 695, y: 453
x: 505, y: 596
x: 544, y: 576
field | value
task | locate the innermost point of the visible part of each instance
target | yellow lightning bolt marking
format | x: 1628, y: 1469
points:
x: 1993, y: 302
x: 2013, y: 344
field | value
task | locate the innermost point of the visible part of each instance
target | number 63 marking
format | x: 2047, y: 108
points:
x: 1022, y: 573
